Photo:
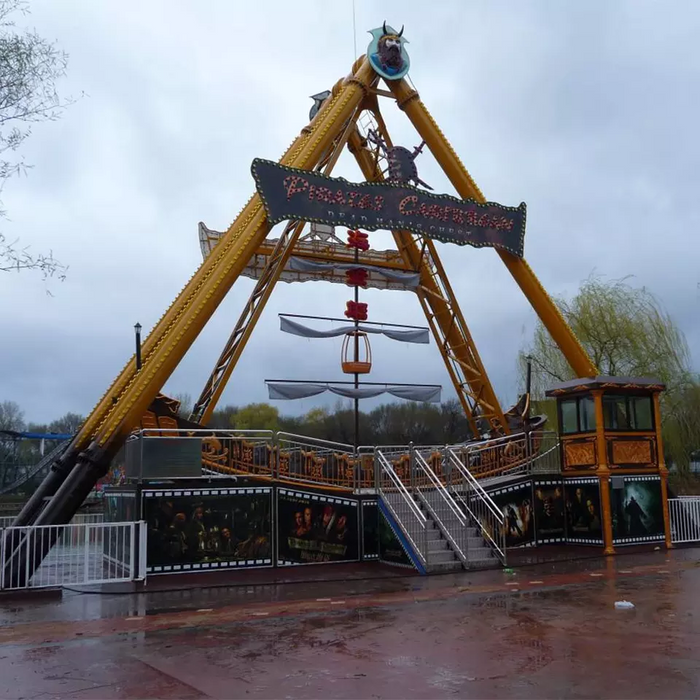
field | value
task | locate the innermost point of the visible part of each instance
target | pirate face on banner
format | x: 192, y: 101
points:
x: 387, y: 54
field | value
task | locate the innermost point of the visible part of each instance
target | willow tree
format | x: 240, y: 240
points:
x: 627, y: 333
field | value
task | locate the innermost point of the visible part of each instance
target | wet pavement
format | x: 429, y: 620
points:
x: 547, y: 630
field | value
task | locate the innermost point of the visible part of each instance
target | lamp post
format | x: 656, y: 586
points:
x: 528, y: 382
x: 137, y: 330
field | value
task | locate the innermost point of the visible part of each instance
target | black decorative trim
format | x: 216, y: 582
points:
x: 211, y: 566
x: 584, y: 540
x: 297, y: 493
x: 637, y: 540
x: 167, y: 493
x: 508, y: 489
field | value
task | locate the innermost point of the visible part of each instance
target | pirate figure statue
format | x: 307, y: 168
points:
x: 387, y: 54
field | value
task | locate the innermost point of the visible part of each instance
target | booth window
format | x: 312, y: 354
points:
x: 628, y: 413
x: 642, y: 412
x: 577, y: 415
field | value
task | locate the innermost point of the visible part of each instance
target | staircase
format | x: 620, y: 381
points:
x: 433, y: 549
x: 477, y: 552
x: 443, y: 533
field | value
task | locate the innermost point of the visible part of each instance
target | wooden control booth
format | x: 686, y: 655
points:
x: 610, y: 429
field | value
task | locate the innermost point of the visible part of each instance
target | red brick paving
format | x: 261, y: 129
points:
x: 471, y: 635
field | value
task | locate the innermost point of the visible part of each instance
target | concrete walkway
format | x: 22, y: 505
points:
x: 543, y: 631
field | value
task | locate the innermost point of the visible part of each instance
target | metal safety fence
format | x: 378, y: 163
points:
x: 50, y: 556
x: 684, y: 514
x: 78, y: 519
x: 313, y: 461
x: 178, y: 453
x: 536, y: 452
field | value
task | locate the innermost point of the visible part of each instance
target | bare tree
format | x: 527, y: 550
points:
x: 11, y: 416
x: 186, y: 404
x: 29, y: 69
x: 68, y: 424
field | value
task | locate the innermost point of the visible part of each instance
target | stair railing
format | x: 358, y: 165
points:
x: 481, y: 508
x: 441, y: 505
x: 400, y: 503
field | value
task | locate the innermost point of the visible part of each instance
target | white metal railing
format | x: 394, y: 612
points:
x: 309, y: 460
x: 78, y: 519
x: 441, y: 505
x: 684, y: 514
x: 314, y: 461
x: 484, y: 513
x: 399, y: 501
x: 78, y: 554
x: 266, y: 453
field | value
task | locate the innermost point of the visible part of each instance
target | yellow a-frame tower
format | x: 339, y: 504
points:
x: 317, y: 147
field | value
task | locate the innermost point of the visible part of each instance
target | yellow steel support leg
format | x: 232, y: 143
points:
x: 410, y: 102
x: 167, y: 346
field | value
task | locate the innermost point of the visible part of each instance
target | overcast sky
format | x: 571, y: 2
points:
x: 587, y: 111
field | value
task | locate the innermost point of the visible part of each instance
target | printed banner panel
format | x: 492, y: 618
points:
x: 313, y: 528
x: 515, y: 502
x: 370, y: 530
x: 302, y: 195
x: 193, y: 529
x: 550, y: 520
x: 583, y: 515
x: 637, y: 512
x: 391, y: 551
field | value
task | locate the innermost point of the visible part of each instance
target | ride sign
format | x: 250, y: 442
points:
x: 302, y: 195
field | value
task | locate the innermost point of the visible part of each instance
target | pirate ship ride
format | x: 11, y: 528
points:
x: 437, y: 502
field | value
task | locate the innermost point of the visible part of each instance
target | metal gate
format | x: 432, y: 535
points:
x: 685, y: 519
x: 83, y: 553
